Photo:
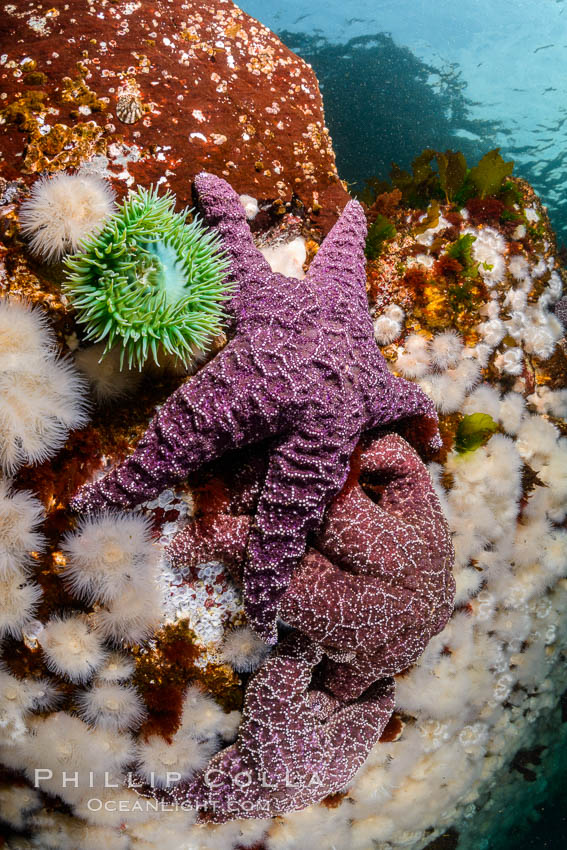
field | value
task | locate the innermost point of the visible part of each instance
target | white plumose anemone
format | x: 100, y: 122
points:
x: 107, y: 554
x: 62, y: 210
x: 18, y: 602
x: 243, y: 650
x: 24, y: 331
x: 158, y: 760
x: 20, y: 514
x: 61, y: 742
x: 15, y: 694
x: 16, y: 802
x: 112, y: 706
x: 117, y: 667
x: 42, y: 397
x: 488, y: 249
x: 388, y: 325
x: 446, y: 349
x: 415, y: 361
x: 134, y: 615
x: 201, y: 716
x: 107, y: 379
x: 71, y: 648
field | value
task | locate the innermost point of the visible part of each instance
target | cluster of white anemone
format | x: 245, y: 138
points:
x: 111, y: 560
x: 203, y: 729
x: 20, y: 516
x: 41, y: 395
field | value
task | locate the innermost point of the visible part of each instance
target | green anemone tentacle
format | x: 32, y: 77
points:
x: 150, y: 280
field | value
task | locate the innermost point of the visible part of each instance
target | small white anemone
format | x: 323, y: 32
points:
x: 488, y: 249
x: 445, y: 391
x: 62, y: 742
x: 446, y: 349
x: 228, y: 728
x: 536, y: 439
x: 117, y: 667
x: 519, y: 267
x: 20, y: 514
x: 41, y: 397
x: 484, y: 399
x: 71, y: 648
x: 243, y: 650
x: 112, y: 706
x: 15, y: 693
x: 512, y: 408
x: 201, y: 716
x: 16, y: 801
x: 493, y: 331
x: 133, y: 616
x: 160, y: 762
x: 18, y: 602
x: 415, y: 361
x: 107, y: 554
x: 511, y: 361
x: 107, y: 379
x: 287, y: 258
x: 388, y: 325
x: 250, y: 205
x: 24, y: 331
x: 62, y: 210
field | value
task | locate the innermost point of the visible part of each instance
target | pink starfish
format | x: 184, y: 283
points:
x: 377, y: 583
x: 303, y: 369
x: 296, y: 744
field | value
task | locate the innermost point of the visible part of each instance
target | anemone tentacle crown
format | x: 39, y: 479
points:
x: 150, y: 281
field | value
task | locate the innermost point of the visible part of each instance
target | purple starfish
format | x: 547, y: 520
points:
x: 296, y: 743
x: 561, y: 311
x: 383, y: 585
x: 302, y: 368
x: 376, y: 586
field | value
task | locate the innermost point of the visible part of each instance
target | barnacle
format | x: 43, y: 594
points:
x: 150, y: 280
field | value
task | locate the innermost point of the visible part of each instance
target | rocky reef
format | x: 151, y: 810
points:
x: 126, y: 640
x: 157, y: 95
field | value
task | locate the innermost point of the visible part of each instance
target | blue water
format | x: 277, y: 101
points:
x: 401, y: 75
x: 398, y: 76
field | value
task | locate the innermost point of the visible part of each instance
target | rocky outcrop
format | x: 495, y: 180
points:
x: 154, y: 94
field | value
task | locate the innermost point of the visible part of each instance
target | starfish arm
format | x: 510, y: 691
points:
x: 340, y: 260
x: 295, y: 745
x: 305, y: 471
x: 199, y: 422
x: 278, y: 744
x: 222, y: 210
x: 355, y: 728
x: 348, y: 679
x: 348, y: 612
x: 413, y: 414
x: 399, y: 534
x: 220, y: 539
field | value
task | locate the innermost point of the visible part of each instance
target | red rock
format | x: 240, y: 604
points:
x: 204, y: 85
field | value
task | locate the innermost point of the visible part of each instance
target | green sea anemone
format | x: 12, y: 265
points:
x: 150, y: 280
